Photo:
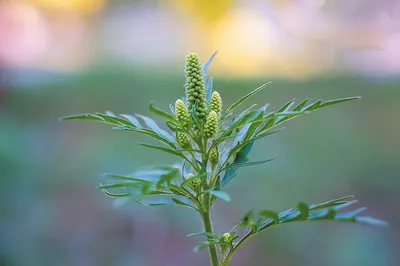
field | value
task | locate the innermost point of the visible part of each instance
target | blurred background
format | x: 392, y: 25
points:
x: 61, y: 57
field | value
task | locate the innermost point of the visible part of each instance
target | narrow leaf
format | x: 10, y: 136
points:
x: 220, y: 194
x: 246, y: 97
x: 270, y: 214
x: 208, y: 62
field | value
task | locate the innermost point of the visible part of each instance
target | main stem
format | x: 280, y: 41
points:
x: 205, y: 215
x: 208, y: 228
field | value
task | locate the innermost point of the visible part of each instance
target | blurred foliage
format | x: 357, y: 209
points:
x: 51, y: 213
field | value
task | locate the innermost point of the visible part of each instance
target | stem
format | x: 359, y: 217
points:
x: 208, y: 228
x: 238, y: 244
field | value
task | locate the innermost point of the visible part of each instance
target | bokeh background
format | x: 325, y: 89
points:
x: 61, y: 57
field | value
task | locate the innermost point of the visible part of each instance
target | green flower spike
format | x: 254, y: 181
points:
x: 183, y: 140
x: 194, y: 183
x: 214, y: 157
x: 181, y: 113
x: 210, y: 128
x: 215, y: 103
x: 195, y: 87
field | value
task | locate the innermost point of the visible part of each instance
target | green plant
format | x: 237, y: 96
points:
x: 213, y: 145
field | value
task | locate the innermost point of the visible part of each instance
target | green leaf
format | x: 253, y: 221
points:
x: 209, y: 89
x: 303, y: 208
x: 313, y: 106
x: 204, y: 234
x: 220, y: 194
x: 300, y: 106
x: 127, y: 178
x: 174, y: 152
x: 181, y: 203
x: 247, y: 219
x: 162, y: 113
x: 172, y: 108
x: 332, y: 102
x: 133, y: 120
x: 246, y: 97
x: 255, y: 162
x: 203, y: 245
x: 208, y: 62
x: 157, y: 202
x: 153, y: 125
x: 270, y: 214
x: 371, y: 221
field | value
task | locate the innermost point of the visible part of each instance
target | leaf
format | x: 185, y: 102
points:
x: 133, y: 120
x: 172, y: 108
x: 246, y: 97
x: 204, y: 234
x: 208, y: 62
x: 331, y: 203
x: 246, y: 219
x: 332, y: 102
x: 255, y: 162
x: 202, y: 245
x: 303, y: 208
x: 220, y: 194
x: 209, y: 89
x: 313, y: 106
x: 153, y: 125
x: 371, y: 221
x: 229, y: 174
x: 174, y: 152
x: 181, y: 203
x: 300, y: 106
x: 270, y: 214
x: 157, y: 202
x: 322, y: 211
x: 127, y: 178
x: 162, y: 113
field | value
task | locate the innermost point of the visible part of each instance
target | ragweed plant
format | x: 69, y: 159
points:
x: 213, y: 143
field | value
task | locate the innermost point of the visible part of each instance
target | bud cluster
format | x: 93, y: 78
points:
x: 195, y: 86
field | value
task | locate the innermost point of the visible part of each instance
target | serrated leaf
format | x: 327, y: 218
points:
x: 246, y: 97
x: 220, y: 194
x: 208, y: 62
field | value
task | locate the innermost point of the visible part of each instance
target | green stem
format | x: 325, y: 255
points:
x: 208, y: 228
x: 238, y: 244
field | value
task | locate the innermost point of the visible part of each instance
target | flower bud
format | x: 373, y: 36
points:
x: 214, y: 157
x: 215, y: 103
x: 227, y: 237
x: 183, y: 140
x: 194, y: 183
x: 210, y: 128
x: 195, y: 87
x: 181, y: 113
